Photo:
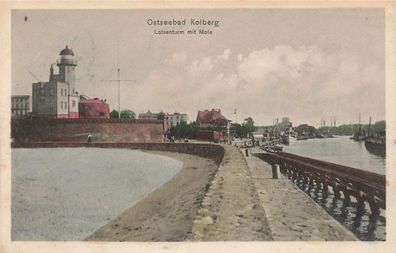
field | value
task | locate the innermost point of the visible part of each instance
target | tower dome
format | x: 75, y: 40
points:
x: 66, y: 51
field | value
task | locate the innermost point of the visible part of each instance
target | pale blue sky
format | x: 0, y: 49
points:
x: 267, y: 63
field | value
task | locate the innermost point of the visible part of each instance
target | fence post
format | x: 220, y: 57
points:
x: 275, y: 171
x: 247, y: 152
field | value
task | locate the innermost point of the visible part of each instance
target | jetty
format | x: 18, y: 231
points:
x: 231, y: 194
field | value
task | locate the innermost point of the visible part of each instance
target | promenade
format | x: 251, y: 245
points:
x: 245, y: 203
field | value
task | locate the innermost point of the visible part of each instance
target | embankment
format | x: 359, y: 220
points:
x: 210, y: 151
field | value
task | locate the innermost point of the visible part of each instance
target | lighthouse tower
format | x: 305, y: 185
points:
x: 58, y: 97
x: 66, y: 65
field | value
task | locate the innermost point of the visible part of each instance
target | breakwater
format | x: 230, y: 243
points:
x: 210, y: 151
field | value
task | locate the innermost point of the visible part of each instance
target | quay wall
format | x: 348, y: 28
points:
x: 77, y: 130
x: 211, y: 151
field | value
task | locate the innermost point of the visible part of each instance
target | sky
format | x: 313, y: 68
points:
x: 265, y: 63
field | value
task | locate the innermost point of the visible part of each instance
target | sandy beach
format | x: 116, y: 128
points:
x: 167, y: 213
x: 238, y: 201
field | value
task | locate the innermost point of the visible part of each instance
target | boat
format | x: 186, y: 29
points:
x: 285, y: 139
x: 359, y: 135
x: 376, y: 145
x: 292, y: 139
x: 302, y: 137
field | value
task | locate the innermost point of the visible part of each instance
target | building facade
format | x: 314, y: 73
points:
x: 58, y: 97
x: 212, y: 118
x: 93, y: 108
x: 148, y: 115
x: 176, y: 118
x: 20, y: 106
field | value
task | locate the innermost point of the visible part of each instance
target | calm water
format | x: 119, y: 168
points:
x: 340, y: 150
x: 68, y: 193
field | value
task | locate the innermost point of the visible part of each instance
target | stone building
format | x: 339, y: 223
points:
x: 20, y: 106
x: 58, y: 97
x: 176, y: 118
x: 148, y: 115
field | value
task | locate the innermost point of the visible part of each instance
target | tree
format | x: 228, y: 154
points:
x: 128, y: 114
x: 114, y: 114
x: 125, y: 114
x: 249, y: 125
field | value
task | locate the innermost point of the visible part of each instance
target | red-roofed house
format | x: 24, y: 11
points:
x: 212, y: 118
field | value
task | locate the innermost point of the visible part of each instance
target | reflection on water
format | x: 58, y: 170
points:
x: 340, y: 150
x: 349, y: 213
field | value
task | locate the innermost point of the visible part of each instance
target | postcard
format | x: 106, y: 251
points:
x: 189, y: 127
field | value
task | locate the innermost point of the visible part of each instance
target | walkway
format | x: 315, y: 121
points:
x: 244, y: 203
x: 230, y: 210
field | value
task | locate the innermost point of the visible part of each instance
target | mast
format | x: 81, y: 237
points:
x: 369, y: 128
x: 360, y: 126
x: 118, y: 80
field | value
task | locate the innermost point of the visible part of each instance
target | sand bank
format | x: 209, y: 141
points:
x: 167, y: 213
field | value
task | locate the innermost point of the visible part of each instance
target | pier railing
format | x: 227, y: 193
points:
x: 344, y: 181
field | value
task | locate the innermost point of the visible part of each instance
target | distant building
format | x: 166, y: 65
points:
x: 148, y: 115
x: 176, y: 118
x: 285, y: 125
x: 58, y: 97
x: 172, y: 119
x: 93, y: 108
x: 212, y: 118
x: 20, y: 106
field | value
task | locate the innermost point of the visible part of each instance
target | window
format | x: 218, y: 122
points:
x: 61, y: 92
x: 61, y: 104
x: 74, y: 103
x: 65, y: 104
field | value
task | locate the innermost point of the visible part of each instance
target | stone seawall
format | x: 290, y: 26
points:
x: 77, y: 130
x: 211, y: 151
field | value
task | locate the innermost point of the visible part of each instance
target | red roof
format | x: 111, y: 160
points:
x: 67, y: 51
x: 211, y: 117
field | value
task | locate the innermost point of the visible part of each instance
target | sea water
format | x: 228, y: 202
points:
x: 68, y: 193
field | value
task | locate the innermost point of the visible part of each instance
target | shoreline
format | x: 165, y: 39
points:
x: 167, y: 213
x: 218, y: 195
